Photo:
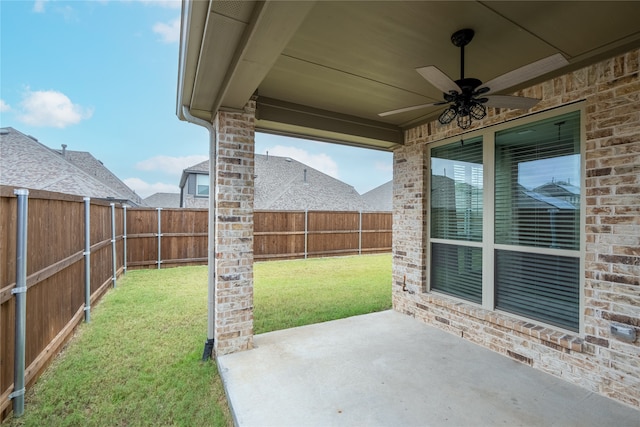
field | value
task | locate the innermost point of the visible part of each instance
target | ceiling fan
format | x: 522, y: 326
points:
x: 469, y: 97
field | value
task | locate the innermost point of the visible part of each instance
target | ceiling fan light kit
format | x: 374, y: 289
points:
x: 465, y: 96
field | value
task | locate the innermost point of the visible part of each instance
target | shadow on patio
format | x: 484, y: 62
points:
x: 388, y: 369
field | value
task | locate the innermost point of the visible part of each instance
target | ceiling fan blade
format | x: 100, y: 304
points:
x: 405, y: 109
x: 438, y: 79
x: 513, y: 102
x: 527, y: 72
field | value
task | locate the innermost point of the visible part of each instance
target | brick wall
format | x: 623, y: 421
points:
x: 234, y: 231
x: 594, y: 360
x: 191, y: 201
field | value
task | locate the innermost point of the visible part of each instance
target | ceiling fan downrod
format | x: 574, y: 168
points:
x: 461, y: 38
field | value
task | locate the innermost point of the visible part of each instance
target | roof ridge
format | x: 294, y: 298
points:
x: 283, y: 189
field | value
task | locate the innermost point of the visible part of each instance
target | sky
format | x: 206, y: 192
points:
x: 101, y: 76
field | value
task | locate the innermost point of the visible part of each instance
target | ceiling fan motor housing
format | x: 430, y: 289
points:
x: 462, y: 37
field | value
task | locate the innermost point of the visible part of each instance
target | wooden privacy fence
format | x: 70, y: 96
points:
x: 55, y: 276
x: 76, y: 248
x: 302, y: 234
x: 166, y: 237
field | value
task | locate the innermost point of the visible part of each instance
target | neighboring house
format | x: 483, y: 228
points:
x: 562, y: 190
x: 281, y: 183
x: 94, y: 167
x: 380, y: 198
x: 194, y: 186
x: 163, y: 200
x: 537, y: 278
x: 25, y: 162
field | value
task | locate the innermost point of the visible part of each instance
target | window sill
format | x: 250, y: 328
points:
x: 553, y: 338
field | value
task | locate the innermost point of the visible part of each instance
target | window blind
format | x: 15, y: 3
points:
x: 537, y: 184
x: 457, y: 270
x: 456, y: 191
x: 537, y: 286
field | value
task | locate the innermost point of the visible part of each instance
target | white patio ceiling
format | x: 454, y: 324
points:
x: 324, y: 70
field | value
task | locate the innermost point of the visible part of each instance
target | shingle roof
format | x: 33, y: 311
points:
x: 283, y: 183
x: 25, y: 162
x: 163, y: 200
x: 380, y: 198
x: 94, y: 167
x: 202, y: 167
x: 280, y: 185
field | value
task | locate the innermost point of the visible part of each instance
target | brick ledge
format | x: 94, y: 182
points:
x: 550, y: 337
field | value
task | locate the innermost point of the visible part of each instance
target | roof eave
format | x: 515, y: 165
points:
x: 227, y: 48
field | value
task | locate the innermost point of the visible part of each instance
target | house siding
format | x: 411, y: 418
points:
x: 593, y: 359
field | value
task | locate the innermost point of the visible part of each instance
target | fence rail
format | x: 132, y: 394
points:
x: 77, y: 248
x: 303, y: 234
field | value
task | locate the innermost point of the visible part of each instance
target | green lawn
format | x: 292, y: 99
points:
x: 138, y: 362
x: 302, y: 292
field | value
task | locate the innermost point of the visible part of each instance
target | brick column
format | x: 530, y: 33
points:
x: 409, y: 263
x: 234, y: 231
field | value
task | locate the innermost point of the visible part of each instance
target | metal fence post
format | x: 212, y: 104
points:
x: 360, y: 236
x: 113, y: 242
x: 124, y: 236
x: 159, y: 237
x: 20, y: 291
x: 306, y: 232
x: 87, y: 259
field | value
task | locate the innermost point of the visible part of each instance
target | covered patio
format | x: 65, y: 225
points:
x: 555, y: 289
x: 388, y: 369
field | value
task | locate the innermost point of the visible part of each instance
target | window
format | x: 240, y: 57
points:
x: 456, y: 219
x: 202, y: 185
x: 523, y: 220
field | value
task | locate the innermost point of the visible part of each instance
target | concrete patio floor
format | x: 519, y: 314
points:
x: 388, y: 369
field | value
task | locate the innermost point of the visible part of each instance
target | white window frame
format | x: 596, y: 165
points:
x: 202, y: 179
x: 487, y: 244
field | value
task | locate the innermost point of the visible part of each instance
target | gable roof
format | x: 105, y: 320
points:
x: 94, y: 167
x: 282, y: 183
x: 163, y: 200
x: 381, y: 197
x: 25, y: 162
x: 199, y: 168
x: 558, y: 189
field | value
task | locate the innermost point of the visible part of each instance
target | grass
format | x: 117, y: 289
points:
x: 319, y: 289
x: 138, y: 362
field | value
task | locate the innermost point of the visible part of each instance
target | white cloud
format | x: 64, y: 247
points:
x: 383, y: 166
x: 169, y: 32
x: 169, y: 4
x: 170, y: 165
x: 50, y: 108
x: 38, y: 6
x: 145, y: 189
x: 4, y: 107
x: 321, y: 162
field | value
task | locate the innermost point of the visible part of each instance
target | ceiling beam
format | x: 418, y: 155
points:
x: 285, y: 118
x: 271, y: 27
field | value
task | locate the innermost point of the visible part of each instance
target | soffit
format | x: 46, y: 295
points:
x: 339, y: 64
